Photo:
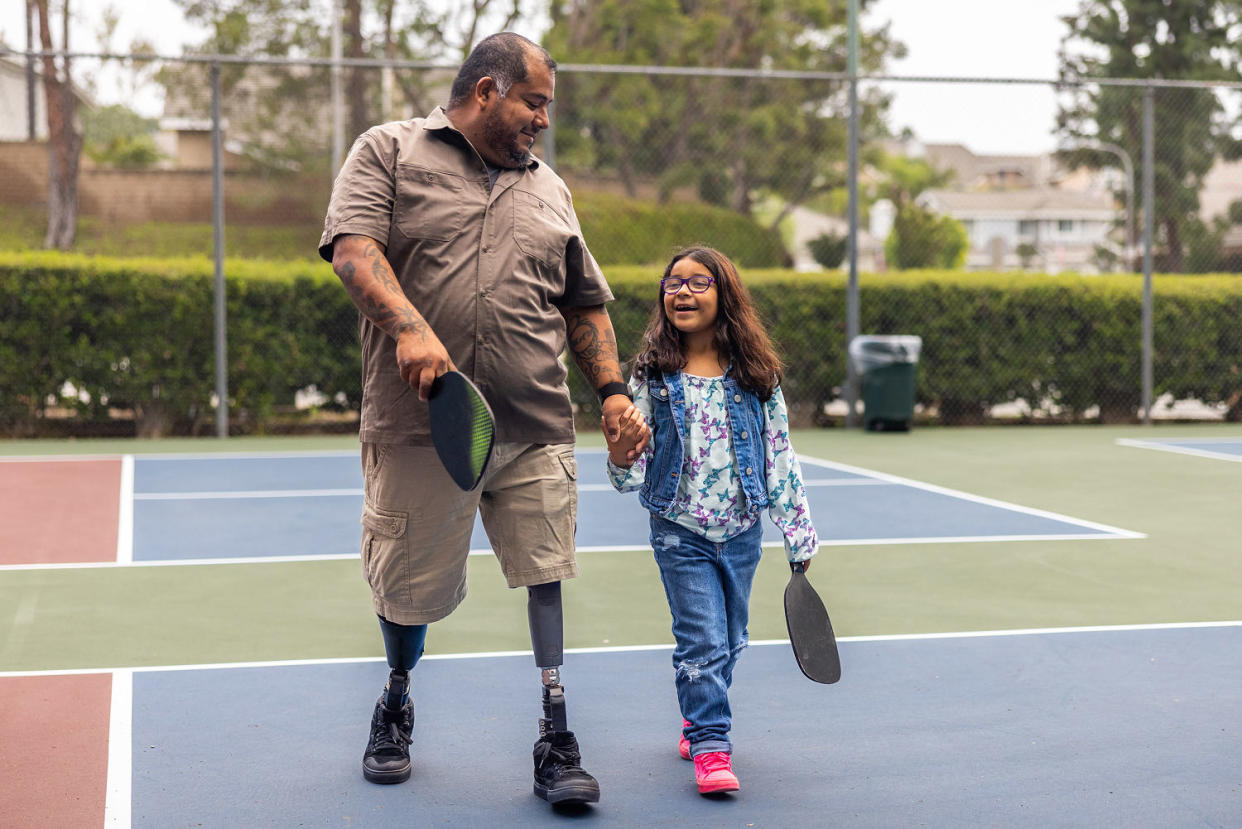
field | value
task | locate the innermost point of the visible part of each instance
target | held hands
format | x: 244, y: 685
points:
x: 625, y: 430
x: 421, y: 358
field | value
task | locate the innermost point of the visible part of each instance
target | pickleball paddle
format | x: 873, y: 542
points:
x: 810, y: 630
x: 462, y: 428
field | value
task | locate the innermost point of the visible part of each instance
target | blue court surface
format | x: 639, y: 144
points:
x: 1124, y: 727
x: 245, y: 507
x: 1223, y: 449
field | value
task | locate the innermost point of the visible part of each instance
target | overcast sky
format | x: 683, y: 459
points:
x: 953, y: 38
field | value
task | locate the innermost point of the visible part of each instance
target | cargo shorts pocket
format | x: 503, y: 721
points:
x: 384, y: 549
x: 570, y: 464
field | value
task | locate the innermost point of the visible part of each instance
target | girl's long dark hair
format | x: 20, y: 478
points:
x: 739, y: 335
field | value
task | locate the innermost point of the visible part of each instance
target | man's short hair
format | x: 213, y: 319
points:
x: 501, y: 57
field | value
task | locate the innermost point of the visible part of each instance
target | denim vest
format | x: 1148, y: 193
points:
x: 668, y: 423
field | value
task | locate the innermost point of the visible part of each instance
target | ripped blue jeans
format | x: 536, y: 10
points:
x: 708, y: 589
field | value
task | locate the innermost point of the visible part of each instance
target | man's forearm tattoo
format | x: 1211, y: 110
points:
x: 594, y: 346
x: 380, y: 298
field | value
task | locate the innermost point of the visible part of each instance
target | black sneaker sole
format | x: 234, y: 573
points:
x: 386, y: 777
x: 568, y: 794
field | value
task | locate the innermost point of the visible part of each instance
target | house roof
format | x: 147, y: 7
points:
x: 15, y: 67
x: 1032, y: 203
x: 971, y: 169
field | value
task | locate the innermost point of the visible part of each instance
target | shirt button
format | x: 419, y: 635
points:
x: 486, y: 249
x: 749, y: 471
x: 737, y: 398
x: 745, y: 435
x: 664, y: 392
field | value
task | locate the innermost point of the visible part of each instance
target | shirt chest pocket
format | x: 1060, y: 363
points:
x: 429, y: 204
x: 538, y: 230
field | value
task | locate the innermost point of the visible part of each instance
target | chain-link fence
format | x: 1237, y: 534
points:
x: 1023, y: 272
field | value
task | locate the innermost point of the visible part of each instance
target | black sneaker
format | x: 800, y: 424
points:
x: 559, y: 777
x: 387, y: 759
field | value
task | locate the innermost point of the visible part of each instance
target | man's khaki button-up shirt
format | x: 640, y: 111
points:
x: 487, y: 266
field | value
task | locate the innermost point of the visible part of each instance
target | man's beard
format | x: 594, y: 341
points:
x: 503, y: 139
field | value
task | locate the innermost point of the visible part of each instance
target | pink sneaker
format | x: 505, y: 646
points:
x: 713, y: 772
x: 683, y: 745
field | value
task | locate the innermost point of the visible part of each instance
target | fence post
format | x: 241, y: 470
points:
x: 217, y: 221
x: 851, y: 294
x: 337, y: 103
x: 549, y: 138
x: 1149, y: 224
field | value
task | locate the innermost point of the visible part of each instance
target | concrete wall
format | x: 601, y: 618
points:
x: 183, y: 195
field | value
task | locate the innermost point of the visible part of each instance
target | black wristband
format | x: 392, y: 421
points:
x: 609, y: 389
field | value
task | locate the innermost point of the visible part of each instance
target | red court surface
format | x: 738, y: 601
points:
x: 57, y: 512
x: 54, y: 750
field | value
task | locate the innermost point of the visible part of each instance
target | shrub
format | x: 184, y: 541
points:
x: 829, y: 250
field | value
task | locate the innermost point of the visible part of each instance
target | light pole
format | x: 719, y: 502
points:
x: 1127, y: 167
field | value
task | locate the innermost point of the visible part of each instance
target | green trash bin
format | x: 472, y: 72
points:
x: 886, y: 366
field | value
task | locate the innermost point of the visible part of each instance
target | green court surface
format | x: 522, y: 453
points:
x: 1186, y: 569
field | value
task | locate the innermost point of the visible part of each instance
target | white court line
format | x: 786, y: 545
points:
x: 1116, y: 532
x: 190, y: 456
x: 335, y: 493
x: 816, y: 482
x: 895, y: 637
x: 604, y: 548
x: 867, y: 478
x: 253, y: 493
x: 186, y: 562
x: 1184, y: 450
x: 119, y: 797
x: 270, y: 455
x: 125, y: 520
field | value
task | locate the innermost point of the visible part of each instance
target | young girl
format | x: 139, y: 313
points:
x: 707, y: 382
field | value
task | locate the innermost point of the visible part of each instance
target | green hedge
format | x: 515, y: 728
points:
x: 138, y: 334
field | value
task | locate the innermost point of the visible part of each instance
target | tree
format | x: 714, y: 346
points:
x: 1155, y: 39
x: 729, y: 138
x: 117, y: 135
x: 901, y: 179
x: 64, y: 144
x: 923, y: 239
x: 280, y: 114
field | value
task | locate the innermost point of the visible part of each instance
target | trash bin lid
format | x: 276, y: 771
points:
x: 871, y: 351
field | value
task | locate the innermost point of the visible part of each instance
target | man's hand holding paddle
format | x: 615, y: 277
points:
x: 421, y: 358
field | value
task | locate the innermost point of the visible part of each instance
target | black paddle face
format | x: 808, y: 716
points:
x: 462, y: 428
x: 810, y: 631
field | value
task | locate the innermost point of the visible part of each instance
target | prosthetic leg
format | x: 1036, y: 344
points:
x: 387, y: 758
x: 559, y: 776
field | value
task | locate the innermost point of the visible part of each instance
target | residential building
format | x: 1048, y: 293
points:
x: 15, y: 100
x: 1042, y: 228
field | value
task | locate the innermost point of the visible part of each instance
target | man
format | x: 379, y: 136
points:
x: 462, y: 250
